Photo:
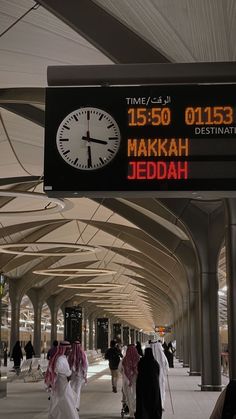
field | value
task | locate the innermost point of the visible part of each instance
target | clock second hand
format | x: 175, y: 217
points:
x: 93, y: 140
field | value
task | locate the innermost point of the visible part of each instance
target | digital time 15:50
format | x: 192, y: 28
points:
x: 149, y: 116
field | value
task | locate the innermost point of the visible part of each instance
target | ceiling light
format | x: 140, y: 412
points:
x: 114, y: 305
x: 125, y: 311
x: 89, y: 285
x: 80, y: 249
x: 76, y: 272
x: 111, y: 301
x: 97, y: 295
x: 59, y: 204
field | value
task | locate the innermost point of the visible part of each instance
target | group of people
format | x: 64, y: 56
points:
x: 65, y: 376
x: 17, y: 354
x: 143, y: 378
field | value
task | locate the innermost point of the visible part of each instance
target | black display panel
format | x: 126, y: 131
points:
x: 117, y: 332
x: 73, y: 324
x: 114, y: 141
x: 102, y: 334
x: 126, y: 335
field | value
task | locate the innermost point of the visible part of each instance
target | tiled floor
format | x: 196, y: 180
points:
x: 29, y: 400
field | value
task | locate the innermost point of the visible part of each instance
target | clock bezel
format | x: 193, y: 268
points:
x: 117, y: 131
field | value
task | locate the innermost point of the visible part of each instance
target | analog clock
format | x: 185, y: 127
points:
x: 88, y: 138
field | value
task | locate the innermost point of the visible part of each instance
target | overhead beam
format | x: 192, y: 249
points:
x: 126, y: 74
x: 104, y: 31
x: 20, y: 179
x: 29, y: 95
x: 26, y: 111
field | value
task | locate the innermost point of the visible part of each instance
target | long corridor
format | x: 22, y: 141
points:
x: 29, y: 400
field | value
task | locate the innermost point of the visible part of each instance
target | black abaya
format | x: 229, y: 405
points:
x: 148, y: 399
x: 229, y: 409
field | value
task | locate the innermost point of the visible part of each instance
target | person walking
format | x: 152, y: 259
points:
x: 160, y: 357
x: 148, y: 397
x: 17, y: 355
x: 129, y: 370
x: 139, y: 348
x: 225, y: 407
x: 29, y: 350
x: 62, y: 403
x: 171, y: 356
x: 113, y: 355
x: 79, y: 366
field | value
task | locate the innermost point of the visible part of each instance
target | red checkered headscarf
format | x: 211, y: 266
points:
x: 78, y: 359
x: 50, y: 376
x: 130, y: 363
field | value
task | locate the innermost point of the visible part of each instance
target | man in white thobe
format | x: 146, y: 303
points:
x: 78, y: 363
x: 160, y: 357
x: 62, y: 404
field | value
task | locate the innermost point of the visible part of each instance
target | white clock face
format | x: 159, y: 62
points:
x: 88, y: 138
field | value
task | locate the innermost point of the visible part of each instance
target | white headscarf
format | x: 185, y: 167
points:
x: 159, y: 356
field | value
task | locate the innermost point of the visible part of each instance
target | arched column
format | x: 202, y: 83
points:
x: 15, y: 298
x: 230, y: 205
x: 181, y: 333
x: 206, y: 224
x: 37, y: 305
x: 54, y: 312
x: 91, y: 332
x: 37, y: 329
x: 195, y: 342
x: 186, y: 348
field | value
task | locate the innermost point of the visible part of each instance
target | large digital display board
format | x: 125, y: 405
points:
x: 114, y: 141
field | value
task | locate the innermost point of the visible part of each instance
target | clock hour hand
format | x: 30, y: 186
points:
x: 89, y: 157
x: 93, y: 140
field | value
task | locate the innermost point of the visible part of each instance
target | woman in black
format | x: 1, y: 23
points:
x: 29, y: 350
x: 148, y: 399
x: 225, y: 407
x: 17, y: 355
x: 139, y: 348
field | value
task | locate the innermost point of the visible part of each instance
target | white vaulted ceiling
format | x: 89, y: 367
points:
x: 183, y: 31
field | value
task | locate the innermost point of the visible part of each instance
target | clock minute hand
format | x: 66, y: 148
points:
x: 94, y: 140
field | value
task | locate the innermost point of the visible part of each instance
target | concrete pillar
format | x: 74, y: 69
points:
x: 211, y: 371
x: 230, y: 205
x: 37, y: 329
x: 54, y: 311
x: 15, y: 298
x: 177, y: 338
x: 206, y: 222
x: 181, y: 355
x: 191, y: 267
x: 84, y: 328
x: 195, y: 341
x: 54, y: 314
x: 186, y: 336
x: 34, y: 296
x: 96, y: 335
x: 91, y: 332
